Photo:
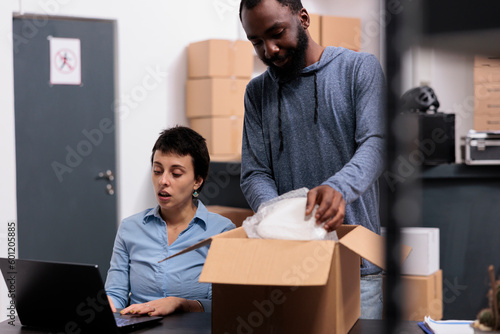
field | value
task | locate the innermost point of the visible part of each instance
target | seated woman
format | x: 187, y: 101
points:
x: 180, y: 163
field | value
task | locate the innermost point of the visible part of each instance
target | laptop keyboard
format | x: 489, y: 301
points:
x: 127, y: 320
x: 122, y: 322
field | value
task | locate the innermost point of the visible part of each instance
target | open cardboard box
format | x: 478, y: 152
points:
x: 286, y: 286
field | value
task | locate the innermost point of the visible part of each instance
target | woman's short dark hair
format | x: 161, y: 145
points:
x: 184, y: 141
x: 294, y: 5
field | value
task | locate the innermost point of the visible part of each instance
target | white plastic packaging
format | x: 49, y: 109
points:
x: 284, y: 218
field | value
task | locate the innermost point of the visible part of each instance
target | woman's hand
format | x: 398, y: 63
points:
x: 113, y: 308
x: 163, y: 306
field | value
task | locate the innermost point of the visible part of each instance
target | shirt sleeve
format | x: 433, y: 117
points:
x: 257, y: 182
x: 117, y: 282
x: 207, y: 303
x: 367, y: 163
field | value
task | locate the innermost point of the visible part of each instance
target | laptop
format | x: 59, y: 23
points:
x: 65, y: 297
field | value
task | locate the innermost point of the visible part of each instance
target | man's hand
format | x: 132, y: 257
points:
x: 331, y: 210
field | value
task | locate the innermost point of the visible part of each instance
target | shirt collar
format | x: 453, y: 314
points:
x: 200, y: 217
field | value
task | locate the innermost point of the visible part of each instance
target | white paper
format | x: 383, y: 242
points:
x: 65, y: 61
x: 449, y: 326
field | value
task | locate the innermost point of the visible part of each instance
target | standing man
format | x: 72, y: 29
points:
x: 314, y: 119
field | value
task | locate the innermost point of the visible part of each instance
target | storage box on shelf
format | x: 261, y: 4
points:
x: 236, y: 215
x: 215, y: 58
x: 341, y: 31
x: 315, y: 27
x: 424, y: 257
x: 486, y: 93
x: 421, y: 276
x: 218, y: 72
x: 215, y: 97
x: 422, y: 296
x: 223, y: 135
x: 487, y: 123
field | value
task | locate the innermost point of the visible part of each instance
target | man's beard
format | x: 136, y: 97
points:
x: 297, y: 58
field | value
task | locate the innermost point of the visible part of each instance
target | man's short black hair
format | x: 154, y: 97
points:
x: 294, y: 5
x: 184, y: 141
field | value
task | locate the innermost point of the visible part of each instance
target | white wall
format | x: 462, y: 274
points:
x: 152, y: 35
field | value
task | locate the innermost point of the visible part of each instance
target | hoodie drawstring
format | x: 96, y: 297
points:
x: 279, y: 116
x: 315, y: 98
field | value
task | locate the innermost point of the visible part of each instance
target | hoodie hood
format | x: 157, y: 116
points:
x: 328, y: 55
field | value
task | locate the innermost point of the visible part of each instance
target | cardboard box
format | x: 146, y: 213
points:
x: 487, y: 91
x: 220, y: 58
x: 487, y: 99
x: 235, y: 157
x: 223, y: 134
x: 341, y: 31
x: 286, y: 286
x: 490, y: 61
x: 487, y: 108
x: 236, y: 215
x: 315, y: 27
x: 486, y: 74
x: 215, y: 97
x: 424, y: 257
x: 423, y: 296
x: 485, y: 122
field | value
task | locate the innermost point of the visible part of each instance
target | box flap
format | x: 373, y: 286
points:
x: 235, y: 233
x: 368, y: 244
x: 268, y: 262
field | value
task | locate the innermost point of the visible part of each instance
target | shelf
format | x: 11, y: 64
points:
x: 460, y: 171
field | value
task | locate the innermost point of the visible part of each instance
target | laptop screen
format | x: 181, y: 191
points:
x: 59, y: 296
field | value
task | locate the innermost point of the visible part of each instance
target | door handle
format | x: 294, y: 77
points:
x: 109, y: 189
x: 108, y: 175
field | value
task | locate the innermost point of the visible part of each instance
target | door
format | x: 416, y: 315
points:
x: 65, y: 142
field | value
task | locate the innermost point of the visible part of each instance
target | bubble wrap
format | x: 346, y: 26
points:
x: 284, y: 217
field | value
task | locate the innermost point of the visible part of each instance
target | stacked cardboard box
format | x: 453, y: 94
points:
x: 218, y: 72
x: 423, y: 296
x: 341, y: 31
x: 315, y: 27
x: 336, y: 31
x: 236, y: 215
x: 486, y: 93
x: 421, y: 278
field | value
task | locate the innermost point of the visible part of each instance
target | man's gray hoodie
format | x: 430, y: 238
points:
x: 325, y: 127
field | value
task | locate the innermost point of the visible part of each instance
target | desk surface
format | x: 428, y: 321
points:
x: 199, y: 323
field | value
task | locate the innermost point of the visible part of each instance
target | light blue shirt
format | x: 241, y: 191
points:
x: 142, y: 241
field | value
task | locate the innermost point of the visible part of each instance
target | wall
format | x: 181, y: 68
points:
x: 458, y: 199
x: 152, y: 36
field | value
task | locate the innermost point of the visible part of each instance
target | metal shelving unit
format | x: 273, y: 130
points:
x: 462, y: 26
